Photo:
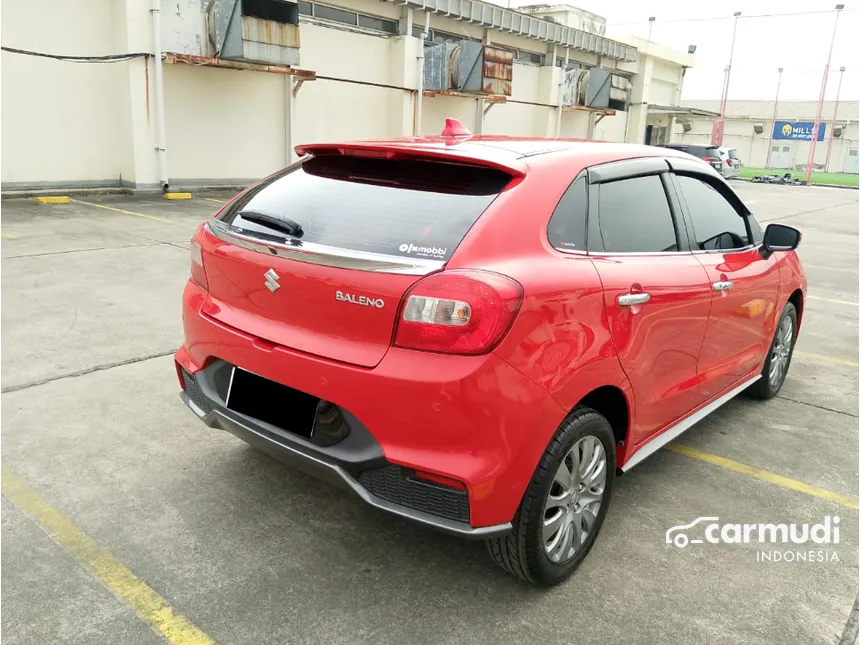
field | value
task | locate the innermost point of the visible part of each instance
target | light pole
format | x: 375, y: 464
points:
x: 773, y: 124
x: 811, y: 159
x: 833, y: 122
x: 719, y: 125
x: 650, y: 26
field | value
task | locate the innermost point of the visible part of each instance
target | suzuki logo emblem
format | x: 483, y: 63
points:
x: 272, y: 280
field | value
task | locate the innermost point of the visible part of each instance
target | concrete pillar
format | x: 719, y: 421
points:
x: 638, y: 114
x: 135, y: 107
x: 403, y: 73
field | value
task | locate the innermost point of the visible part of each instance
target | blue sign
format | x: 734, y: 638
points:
x: 797, y: 130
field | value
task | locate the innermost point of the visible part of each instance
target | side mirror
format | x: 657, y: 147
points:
x: 779, y: 237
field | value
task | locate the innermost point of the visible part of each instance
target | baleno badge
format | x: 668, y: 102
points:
x: 379, y: 303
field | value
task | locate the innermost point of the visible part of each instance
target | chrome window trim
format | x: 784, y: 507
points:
x: 326, y: 255
x: 601, y: 254
x: 748, y: 247
x: 569, y: 251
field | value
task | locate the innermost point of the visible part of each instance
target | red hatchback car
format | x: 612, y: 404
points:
x: 480, y: 333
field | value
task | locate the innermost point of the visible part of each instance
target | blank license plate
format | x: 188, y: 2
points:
x: 272, y: 402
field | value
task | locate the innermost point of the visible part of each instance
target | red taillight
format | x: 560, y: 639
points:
x: 458, y: 312
x: 198, y: 273
x: 729, y: 163
x: 440, y: 479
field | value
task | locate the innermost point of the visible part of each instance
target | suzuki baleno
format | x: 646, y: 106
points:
x: 480, y: 333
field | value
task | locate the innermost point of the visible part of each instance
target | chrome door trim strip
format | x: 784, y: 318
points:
x: 673, y: 432
x: 326, y: 255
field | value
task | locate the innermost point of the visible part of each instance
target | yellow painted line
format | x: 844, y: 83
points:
x: 175, y: 627
x: 119, y: 210
x: 838, y: 302
x: 53, y: 200
x: 764, y: 475
x: 10, y: 236
x: 177, y: 195
x: 217, y: 201
x: 828, y: 359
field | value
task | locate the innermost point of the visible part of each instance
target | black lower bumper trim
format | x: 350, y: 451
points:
x: 325, y: 470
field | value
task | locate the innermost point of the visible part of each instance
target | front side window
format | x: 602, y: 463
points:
x: 717, y: 226
x: 635, y: 216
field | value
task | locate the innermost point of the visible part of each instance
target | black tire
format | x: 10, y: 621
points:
x: 765, y: 388
x: 522, y: 552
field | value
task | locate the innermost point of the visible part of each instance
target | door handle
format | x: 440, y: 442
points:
x: 628, y: 299
x: 723, y: 285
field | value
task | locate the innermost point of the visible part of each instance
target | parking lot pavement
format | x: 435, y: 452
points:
x: 249, y: 551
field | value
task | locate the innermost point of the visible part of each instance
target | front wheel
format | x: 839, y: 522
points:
x: 564, y: 506
x: 778, y: 356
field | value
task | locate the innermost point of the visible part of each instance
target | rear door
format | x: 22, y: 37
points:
x: 745, y: 285
x: 657, y: 295
x: 370, y: 228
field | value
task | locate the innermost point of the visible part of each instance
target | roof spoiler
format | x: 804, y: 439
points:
x: 409, y: 150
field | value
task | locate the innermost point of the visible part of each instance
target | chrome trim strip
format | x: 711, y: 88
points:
x: 748, y: 247
x: 569, y: 251
x: 603, y: 254
x: 217, y: 419
x: 682, y: 426
x: 327, y: 255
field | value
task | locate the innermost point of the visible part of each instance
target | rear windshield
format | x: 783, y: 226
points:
x: 733, y: 154
x: 409, y: 208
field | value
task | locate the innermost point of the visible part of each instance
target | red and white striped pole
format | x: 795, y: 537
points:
x: 773, y: 125
x: 811, y: 159
x: 833, y: 122
x: 720, y: 124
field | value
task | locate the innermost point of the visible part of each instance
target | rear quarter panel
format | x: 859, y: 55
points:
x: 560, y: 338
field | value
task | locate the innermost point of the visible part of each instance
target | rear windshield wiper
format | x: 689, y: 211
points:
x: 282, y: 224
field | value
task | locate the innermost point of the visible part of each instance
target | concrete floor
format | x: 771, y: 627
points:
x: 251, y: 552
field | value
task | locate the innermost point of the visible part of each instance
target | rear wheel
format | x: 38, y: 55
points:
x: 778, y: 356
x: 564, y: 506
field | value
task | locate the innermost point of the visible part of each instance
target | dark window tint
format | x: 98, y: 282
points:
x: 306, y: 8
x: 755, y: 229
x: 635, y: 217
x: 567, y: 227
x: 377, y: 23
x: 408, y: 208
x: 337, y: 15
x: 717, y: 226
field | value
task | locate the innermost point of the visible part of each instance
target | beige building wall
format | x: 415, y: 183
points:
x: 67, y: 124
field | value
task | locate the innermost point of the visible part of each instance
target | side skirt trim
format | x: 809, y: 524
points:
x: 673, y: 432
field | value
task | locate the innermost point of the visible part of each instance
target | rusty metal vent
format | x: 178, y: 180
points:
x: 259, y: 31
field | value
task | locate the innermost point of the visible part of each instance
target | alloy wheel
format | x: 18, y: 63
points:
x: 574, y: 499
x: 781, y: 352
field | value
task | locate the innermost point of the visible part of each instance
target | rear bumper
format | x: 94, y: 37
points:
x: 474, y: 419
x: 325, y: 467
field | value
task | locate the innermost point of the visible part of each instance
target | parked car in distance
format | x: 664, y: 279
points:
x: 731, y: 162
x: 478, y: 333
x: 708, y: 154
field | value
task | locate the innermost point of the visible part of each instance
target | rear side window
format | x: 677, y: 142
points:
x: 635, y: 216
x: 717, y: 225
x: 410, y: 207
x: 567, y: 227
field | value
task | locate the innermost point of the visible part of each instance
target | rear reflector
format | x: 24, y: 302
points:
x: 458, y: 312
x: 440, y: 479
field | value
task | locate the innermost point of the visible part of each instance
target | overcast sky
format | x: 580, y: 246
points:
x: 798, y: 43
